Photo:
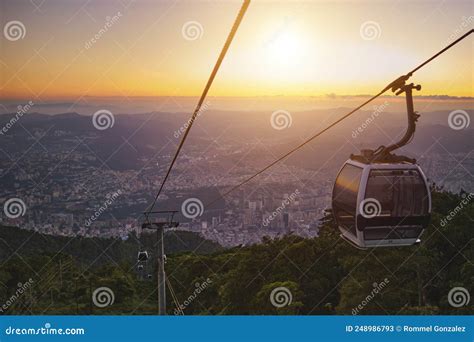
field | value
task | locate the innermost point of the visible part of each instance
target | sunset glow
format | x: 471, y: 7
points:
x: 293, y: 48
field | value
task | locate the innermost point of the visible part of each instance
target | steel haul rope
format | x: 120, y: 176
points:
x: 388, y: 87
x: 227, y: 43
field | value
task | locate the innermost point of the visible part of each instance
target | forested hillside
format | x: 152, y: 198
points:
x: 324, y: 275
x: 97, y: 250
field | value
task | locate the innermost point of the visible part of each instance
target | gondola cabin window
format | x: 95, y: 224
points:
x: 345, y: 194
x: 401, y: 193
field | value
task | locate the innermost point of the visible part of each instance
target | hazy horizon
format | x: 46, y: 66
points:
x: 137, y: 105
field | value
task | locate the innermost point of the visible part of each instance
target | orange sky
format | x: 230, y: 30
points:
x: 282, y: 48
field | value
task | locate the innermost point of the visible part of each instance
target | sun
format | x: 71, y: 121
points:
x: 286, y: 56
x: 285, y: 48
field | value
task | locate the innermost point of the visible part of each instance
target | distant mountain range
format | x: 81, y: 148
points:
x: 140, y: 136
x: 87, y: 105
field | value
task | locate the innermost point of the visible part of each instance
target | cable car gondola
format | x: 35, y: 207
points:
x: 380, y: 199
x: 142, y: 256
